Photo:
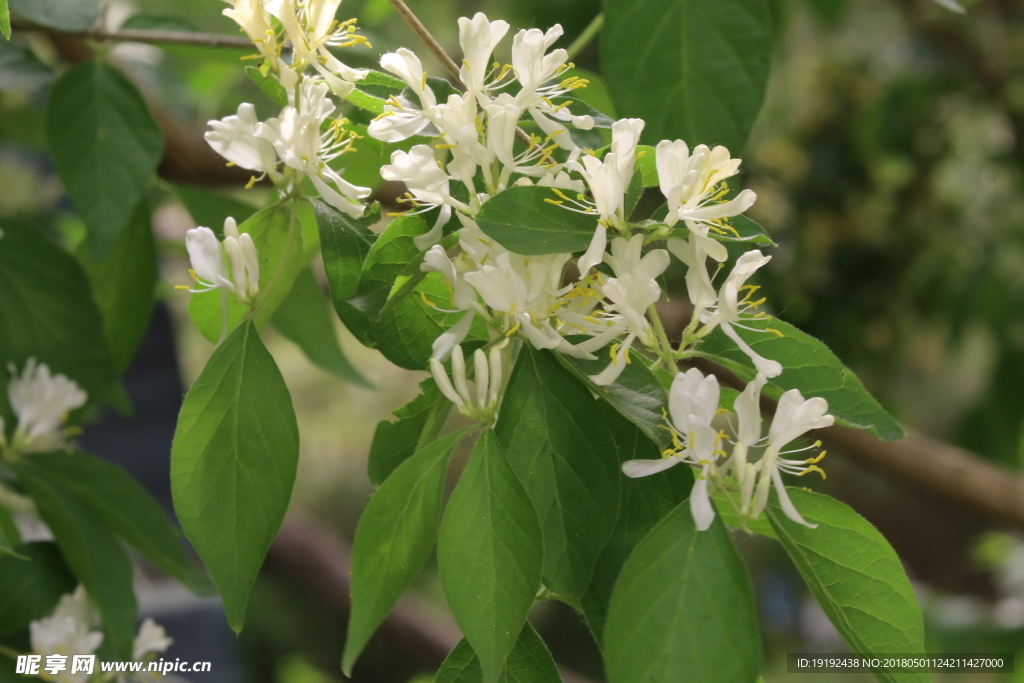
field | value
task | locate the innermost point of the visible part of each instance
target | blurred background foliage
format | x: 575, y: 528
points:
x: 888, y: 164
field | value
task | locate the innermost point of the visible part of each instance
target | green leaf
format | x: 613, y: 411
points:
x: 809, y: 366
x: 645, y: 502
x: 344, y: 242
x: 418, y: 423
x: 683, y: 609
x: 123, y: 285
x: 9, y: 535
x: 47, y: 312
x: 560, y: 448
x: 91, y: 551
x: 303, y: 318
x: 5, y: 20
x: 529, y: 662
x: 636, y: 394
x: 63, y: 15
x: 693, y: 69
x: 120, y: 502
x: 522, y: 221
x: 105, y: 146
x: 394, y: 538
x: 270, y: 86
x: 856, y: 577
x: 209, y: 209
x: 20, y: 69
x: 233, y: 463
x: 372, y: 92
x: 490, y: 555
x: 276, y: 232
x: 33, y: 588
x: 392, y: 254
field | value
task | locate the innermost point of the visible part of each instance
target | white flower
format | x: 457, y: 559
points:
x: 729, y: 309
x: 535, y: 67
x: 253, y: 17
x: 693, y: 403
x: 428, y: 184
x: 67, y: 631
x: 234, y: 138
x: 209, y: 270
x: 400, y: 119
x: 630, y: 293
x: 477, y: 398
x: 793, y: 418
x: 693, y: 186
x: 299, y: 143
x: 478, y: 37
x: 152, y: 638
x: 312, y: 31
x: 41, y: 401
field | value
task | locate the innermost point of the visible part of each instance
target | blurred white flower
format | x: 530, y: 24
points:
x: 41, y: 401
x: 209, y: 270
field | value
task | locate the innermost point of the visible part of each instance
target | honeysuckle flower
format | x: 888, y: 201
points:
x: 534, y: 68
x: 428, y: 186
x: 729, y: 308
x: 252, y: 16
x: 67, y: 631
x: 41, y: 402
x: 630, y: 293
x: 693, y: 185
x: 241, y: 275
x: 234, y: 138
x: 151, y: 639
x: 794, y: 417
x: 299, y: 143
x: 478, y: 37
x: 402, y: 120
x: 699, y: 288
x: 693, y: 403
x: 312, y: 31
x: 477, y: 398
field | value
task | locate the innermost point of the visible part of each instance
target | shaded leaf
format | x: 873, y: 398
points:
x: 529, y: 662
x: 19, y: 67
x: 63, y: 15
x: 418, y: 422
x: 521, y: 220
x: 32, y: 588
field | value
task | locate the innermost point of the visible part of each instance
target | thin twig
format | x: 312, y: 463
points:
x: 139, y: 35
x: 589, y: 33
x: 439, y: 52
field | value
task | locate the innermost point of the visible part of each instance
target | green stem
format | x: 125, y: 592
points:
x: 665, y: 351
x: 583, y: 39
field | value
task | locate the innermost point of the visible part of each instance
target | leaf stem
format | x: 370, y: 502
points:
x: 583, y: 39
x: 665, y: 351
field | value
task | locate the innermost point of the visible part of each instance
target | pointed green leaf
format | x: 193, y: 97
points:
x: 123, y: 505
x: 105, y: 146
x: 856, y: 577
x: 32, y: 588
x: 373, y: 91
x: 91, y: 551
x: 645, y: 502
x: 523, y: 220
x: 418, y: 423
x: 394, y: 538
x: 233, y: 463
x: 809, y: 366
x: 683, y: 609
x: 123, y: 285
x: 693, y: 69
x: 304, y: 319
x: 47, y: 312
x: 490, y: 555
x: 276, y: 232
x: 345, y: 242
x: 5, y: 20
x: 529, y: 662
x: 270, y: 86
x: 560, y: 448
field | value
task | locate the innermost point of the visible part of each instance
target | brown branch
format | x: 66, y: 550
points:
x: 416, y: 639
x: 923, y: 463
x: 141, y: 35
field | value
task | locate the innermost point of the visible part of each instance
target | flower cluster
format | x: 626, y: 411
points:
x: 73, y: 629
x: 41, y: 401
x: 693, y: 407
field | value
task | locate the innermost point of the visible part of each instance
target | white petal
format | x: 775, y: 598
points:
x: 595, y: 252
x: 700, y: 504
x: 643, y: 468
x: 786, y: 503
